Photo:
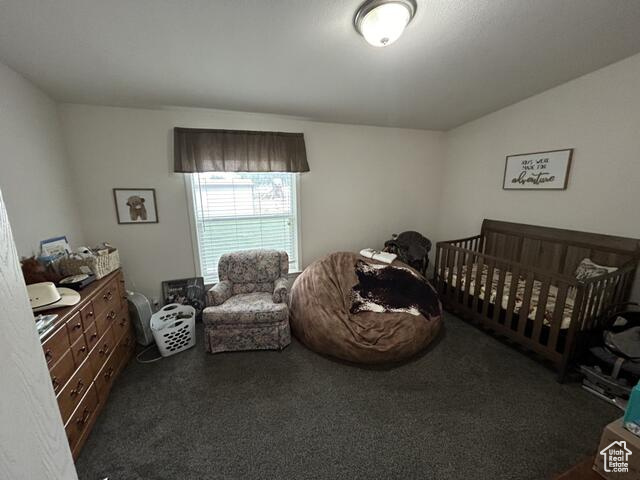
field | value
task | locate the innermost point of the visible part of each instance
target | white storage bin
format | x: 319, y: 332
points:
x: 173, y: 328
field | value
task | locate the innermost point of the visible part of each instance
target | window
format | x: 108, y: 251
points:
x: 242, y: 211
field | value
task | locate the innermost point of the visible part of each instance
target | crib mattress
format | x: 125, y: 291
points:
x: 519, y: 296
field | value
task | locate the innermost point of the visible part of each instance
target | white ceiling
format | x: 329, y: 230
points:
x: 458, y: 59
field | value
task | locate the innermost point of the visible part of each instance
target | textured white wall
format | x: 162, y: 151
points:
x: 598, y: 115
x: 33, y: 444
x: 34, y: 172
x: 365, y: 183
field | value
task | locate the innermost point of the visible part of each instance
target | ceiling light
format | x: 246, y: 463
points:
x: 381, y: 22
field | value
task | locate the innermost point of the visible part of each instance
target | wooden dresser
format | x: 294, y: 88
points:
x: 86, y: 349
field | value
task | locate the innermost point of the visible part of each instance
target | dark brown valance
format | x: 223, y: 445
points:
x: 205, y: 150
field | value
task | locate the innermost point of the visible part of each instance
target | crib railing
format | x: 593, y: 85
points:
x: 591, y: 299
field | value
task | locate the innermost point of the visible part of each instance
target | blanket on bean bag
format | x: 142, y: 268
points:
x: 322, y: 298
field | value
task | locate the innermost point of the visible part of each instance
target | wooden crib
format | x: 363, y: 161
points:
x: 513, y: 268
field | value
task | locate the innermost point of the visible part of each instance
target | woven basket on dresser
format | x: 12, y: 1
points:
x: 100, y: 265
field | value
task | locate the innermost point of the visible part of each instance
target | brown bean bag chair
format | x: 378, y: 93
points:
x: 321, y: 317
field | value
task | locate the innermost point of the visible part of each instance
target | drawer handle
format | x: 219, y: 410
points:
x: 48, y: 355
x: 93, y: 336
x: 111, y: 315
x: 109, y: 373
x: 90, y: 313
x: 105, y: 349
x: 55, y: 382
x: 79, y: 388
x: 77, y: 326
x: 123, y: 322
x: 82, y: 349
x: 85, y: 416
x: 107, y: 296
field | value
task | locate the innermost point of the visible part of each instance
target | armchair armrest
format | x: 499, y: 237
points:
x: 219, y: 293
x: 281, y: 290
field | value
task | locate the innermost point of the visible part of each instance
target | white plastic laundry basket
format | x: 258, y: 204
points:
x: 173, y: 328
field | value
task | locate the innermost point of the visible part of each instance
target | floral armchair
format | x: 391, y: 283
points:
x: 247, y: 309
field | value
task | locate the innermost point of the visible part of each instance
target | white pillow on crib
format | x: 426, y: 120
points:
x: 588, y: 269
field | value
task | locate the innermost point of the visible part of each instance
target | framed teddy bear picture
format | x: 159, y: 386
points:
x: 135, y: 205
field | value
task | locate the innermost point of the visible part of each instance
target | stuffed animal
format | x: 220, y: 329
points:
x: 35, y: 271
x: 137, y: 210
x: 411, y: 248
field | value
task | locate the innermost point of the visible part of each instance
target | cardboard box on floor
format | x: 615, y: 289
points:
x: 621, y: 449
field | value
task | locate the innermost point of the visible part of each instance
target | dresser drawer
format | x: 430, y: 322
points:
x: 62, y: 371
x: 74, y: 328
x: 88, y: 316
x: 108, y: 298
x: 122, y: 290
x: 102, y: 350
x: 56, y: 346
x: 73, y: 391
x: 126, y: 348
x: 79, y: 351
x: 104, y: 320
x: 82, y: 417
x: 104, y: 379
x: 91, y: 336
x: 121, y: 325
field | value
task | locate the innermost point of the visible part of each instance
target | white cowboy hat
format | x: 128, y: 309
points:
x: 45, y: 295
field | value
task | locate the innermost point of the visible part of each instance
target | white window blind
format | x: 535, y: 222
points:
x: 242, y: 211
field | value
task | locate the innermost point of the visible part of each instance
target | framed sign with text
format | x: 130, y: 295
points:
x: 537, y: 171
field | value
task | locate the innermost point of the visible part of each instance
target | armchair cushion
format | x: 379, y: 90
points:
x: 247, y: 308
x: 219, y: 293
x: 281, y: 290
x: 239, y: 288
x: 253, y: 266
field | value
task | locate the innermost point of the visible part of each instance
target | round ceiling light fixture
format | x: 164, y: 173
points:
x: 381, y: 22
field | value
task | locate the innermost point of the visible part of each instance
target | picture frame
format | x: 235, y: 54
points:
x: 54, y: 247
x: 548, y: 170
x: 185, y: 291
x: 135, y: 205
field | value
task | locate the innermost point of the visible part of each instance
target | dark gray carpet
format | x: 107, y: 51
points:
x: 470, y: 407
